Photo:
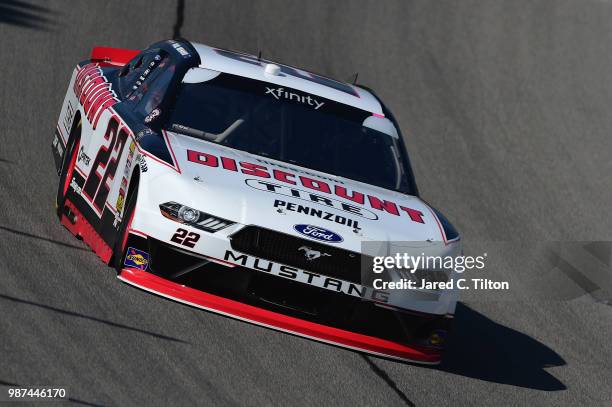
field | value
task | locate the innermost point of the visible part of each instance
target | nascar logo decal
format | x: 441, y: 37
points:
x: 318, y: 233
x: 136, y: 259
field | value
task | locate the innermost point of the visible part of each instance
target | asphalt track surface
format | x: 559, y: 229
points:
x: 505, y: 107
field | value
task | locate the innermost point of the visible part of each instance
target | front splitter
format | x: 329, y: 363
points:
x: 235, y: 309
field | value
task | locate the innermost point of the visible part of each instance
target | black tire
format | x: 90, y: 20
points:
x: 120, y: 243
x: 72, y: 148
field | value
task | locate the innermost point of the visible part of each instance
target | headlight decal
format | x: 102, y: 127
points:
x: 193, y: 217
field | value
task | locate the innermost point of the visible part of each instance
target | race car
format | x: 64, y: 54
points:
x: 252, y: 189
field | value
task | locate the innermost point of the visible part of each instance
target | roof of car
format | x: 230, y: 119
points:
x: 250, y: 66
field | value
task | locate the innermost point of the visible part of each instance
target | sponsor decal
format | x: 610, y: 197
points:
x: 136, y: 258
x: 311, y: 254
x: 129, y: 159
x: 57, y: 144
x: 310, y: 197
x: 437, y: 337
x: 153, y: 115
x: 143, y: 76
x: 94, y: 92
x: 317, y: 213
x: 142, y: 133
x: 318, y: 233
x: 307, y: 277
x: 120, y: 201
x: 121, y: 197
x: 75, y: 187
x: 68, y: 117
x: 281, y: 93
x: 83, y: 157
x: 143, y: 163
x: 313, y: 184
x: 181, y: 50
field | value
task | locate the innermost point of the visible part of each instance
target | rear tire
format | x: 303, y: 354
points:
x: 68, y: 164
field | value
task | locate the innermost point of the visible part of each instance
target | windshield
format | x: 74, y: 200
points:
x: 291, y: 126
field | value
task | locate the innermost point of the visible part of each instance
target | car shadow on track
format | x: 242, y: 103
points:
x: 24, y: 14
x: 41, y: 238
x: 483, y: 349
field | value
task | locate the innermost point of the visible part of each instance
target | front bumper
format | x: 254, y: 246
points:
x: 260, y: 316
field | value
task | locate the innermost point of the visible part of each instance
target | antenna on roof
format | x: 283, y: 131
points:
x: 259, y: 56
x: 355, y: 78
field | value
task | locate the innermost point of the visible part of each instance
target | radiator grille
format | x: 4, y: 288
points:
x: 292, y: 251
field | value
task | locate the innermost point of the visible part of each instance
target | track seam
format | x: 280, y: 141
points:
x: 180, y: 17
x: 387, y: 379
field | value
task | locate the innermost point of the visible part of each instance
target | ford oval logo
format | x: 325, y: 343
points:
x: 318, y: 233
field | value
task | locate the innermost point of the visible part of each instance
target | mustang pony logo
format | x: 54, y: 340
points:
x: 312, y: 254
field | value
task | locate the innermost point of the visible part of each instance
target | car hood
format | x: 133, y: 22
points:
x: 248, y: 189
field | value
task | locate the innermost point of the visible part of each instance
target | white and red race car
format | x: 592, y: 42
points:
x: 249, y: 188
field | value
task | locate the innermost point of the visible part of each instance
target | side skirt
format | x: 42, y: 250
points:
x: 76, y: 223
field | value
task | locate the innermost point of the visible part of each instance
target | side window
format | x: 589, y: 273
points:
x: 135, y: 74
x: 150, y: 94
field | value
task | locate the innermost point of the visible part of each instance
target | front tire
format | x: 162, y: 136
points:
x: 68, y: 164
x: 124, y: 229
